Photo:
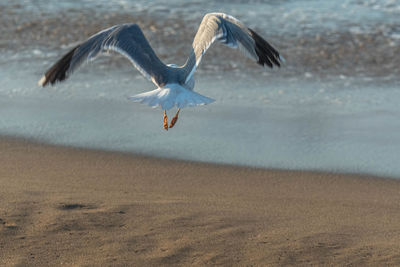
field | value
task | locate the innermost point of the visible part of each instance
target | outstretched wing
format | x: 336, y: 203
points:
x: 126, y: 39
x: 231, y: 32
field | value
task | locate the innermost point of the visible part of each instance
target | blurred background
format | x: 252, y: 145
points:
x: 333, y: 106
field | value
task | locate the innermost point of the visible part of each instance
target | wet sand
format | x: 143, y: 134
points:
x: 83, y: 207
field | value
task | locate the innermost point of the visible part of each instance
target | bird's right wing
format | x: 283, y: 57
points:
x: 233, y: 33
x: 126, y: 39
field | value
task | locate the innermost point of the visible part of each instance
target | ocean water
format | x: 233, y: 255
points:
x: 333, y: 106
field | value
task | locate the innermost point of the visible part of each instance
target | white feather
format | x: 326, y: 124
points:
x: 171, y: 95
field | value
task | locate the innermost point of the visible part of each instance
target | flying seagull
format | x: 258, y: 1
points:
x: 174, y: 83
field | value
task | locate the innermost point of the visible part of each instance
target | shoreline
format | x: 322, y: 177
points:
x: 38, y: 142
x: 73, y: 206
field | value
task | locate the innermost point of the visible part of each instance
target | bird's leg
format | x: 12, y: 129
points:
x: 165, y: 120
x: 174, y: 119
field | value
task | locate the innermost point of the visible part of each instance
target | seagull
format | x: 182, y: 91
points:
x: 174, y: 83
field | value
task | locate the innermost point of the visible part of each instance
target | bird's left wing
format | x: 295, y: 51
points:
x: 126, y: 39
x: 233, y: 33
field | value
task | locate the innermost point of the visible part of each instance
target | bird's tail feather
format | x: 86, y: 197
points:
x: 170, y: 96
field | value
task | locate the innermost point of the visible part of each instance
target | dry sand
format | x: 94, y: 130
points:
x: 83, y: 207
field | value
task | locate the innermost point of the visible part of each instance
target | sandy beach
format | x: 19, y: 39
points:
x: 332, y: 107
x: 82, y: 207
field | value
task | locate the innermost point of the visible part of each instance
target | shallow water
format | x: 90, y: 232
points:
x: 333, y: 106
x: 266, y: 122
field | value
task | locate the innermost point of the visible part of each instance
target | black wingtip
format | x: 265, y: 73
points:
x: 58, y: 72
x: 267, y: 55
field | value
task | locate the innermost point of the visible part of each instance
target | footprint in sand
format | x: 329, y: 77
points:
x: 75, y: 206
x: 8, y: 225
